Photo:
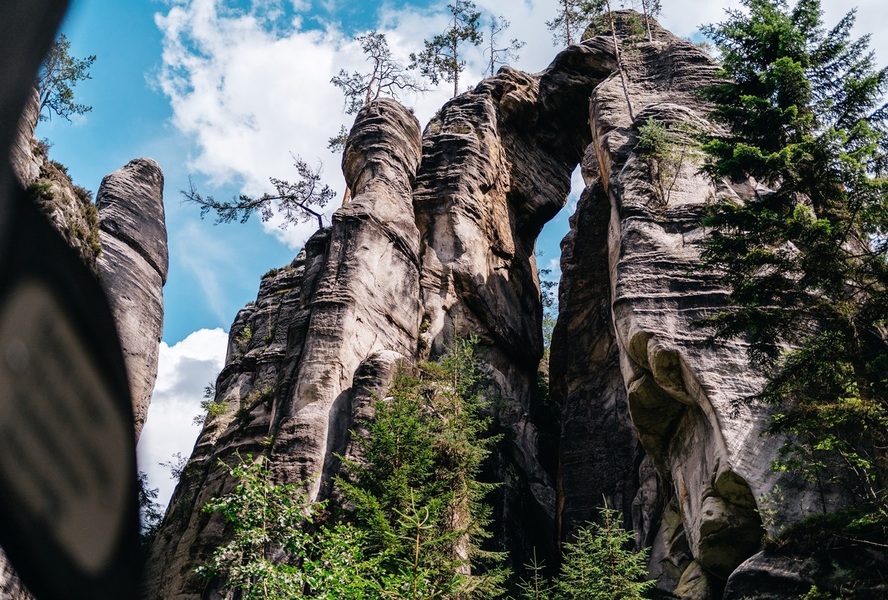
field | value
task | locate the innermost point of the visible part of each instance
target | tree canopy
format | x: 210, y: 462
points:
x: 59, y: 74
x: 441, y: 57
x: 805, y: 256
x: 572, y: 19
x: 500, y: 55
x: 296, y: 202
x: 386, y: 76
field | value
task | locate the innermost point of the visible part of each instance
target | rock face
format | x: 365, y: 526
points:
x: 439, y: 241
x: 127, y: 251
x: 133, y: 269
x: 24, y: 154
x: 348, y: 303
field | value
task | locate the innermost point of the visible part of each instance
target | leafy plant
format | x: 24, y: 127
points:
x: 150, y: 515
x: 417, y: 491
x: 273, y: 552
x: 665, y: 149
x: 176, y: 465
x: 535, y: 586
x: 500, y: 55
x: 209, y: 406
x: 572, y: 19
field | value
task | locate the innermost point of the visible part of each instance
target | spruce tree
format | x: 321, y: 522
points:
x: 805, y: 256
x: 598, y: 566
x: 417, y: 491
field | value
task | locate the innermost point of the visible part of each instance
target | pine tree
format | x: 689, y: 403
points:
x: 295, y: 201
x: 805, y: 257
x: 598, y: 565
x: 572, y: 19
x: 58, y: 75
x: 441, y: 58
x: 500, y: 55
x: 386, y: 76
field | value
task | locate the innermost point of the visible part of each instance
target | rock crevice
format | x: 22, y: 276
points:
x: 438, y: 242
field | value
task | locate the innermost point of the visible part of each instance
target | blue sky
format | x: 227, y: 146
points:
x: 223, y: 91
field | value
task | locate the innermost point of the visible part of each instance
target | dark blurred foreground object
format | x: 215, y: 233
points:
x: 68, y: 502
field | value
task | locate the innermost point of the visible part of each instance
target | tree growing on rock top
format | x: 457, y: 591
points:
x: 296, y: 202
x: 500, y: 55
x: 572, y: 19
x: 58, y: 75
x: 441, y: 57
x: 386, y: 76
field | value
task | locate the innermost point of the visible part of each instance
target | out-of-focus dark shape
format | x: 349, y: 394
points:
x: 68, y: 503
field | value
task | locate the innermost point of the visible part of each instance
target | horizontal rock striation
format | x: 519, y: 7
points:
x: 133, y: 269
x: 349, y: 304
x: 437, y: 242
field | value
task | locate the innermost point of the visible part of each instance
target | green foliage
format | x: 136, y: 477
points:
x: 273, y: 552
x: 848, y: 547
x: 572, y: 19
x: 416, y: 491
x: 440, y: 59
x: 253, y: 399
x: 176, y: 465
x: 805, y: 260
x: 59, y: 74
x: 295, y: 202
x: 40, y: 192
x: 500, y: 55
x: 386, y: 76
x: 243, y: 339
x: 415, y: 519
x: 337, y: 142
x: 150, y: 515
x: 665, y: 148
x: 535, y: 586
x: 90, y: 215
x: 208, y: 405
x: 597, y: 565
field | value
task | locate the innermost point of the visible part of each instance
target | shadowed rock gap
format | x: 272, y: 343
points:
x: 438, y: 242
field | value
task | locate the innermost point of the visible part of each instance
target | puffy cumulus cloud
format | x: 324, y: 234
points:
x: 183, y: 371
x: 250, y: 86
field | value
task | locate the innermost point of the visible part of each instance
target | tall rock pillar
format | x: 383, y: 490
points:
x: 133, y: 269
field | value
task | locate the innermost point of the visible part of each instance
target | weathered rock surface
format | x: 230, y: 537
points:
x: 496, y: 166
x: 683, y: 395
x: 444, y: 245
x: 133, y: 269
x: 129, y: 255
x: 25, y: 157
x: 348, y: 302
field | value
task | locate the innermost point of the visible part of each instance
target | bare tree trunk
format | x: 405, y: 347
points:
x: 567, y: 23
x: 455, y: 69
x: 613, y: 25
x: 647, y: 19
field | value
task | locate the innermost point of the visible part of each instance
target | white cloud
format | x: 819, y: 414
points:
x: 184, y: 369
x: 248, y: 87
